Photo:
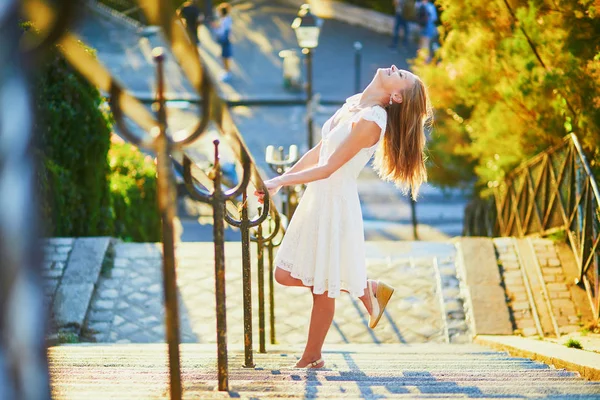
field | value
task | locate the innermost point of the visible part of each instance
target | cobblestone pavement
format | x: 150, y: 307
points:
x: 563, y: 307
x: 127, y: 306
x: 56, y: 253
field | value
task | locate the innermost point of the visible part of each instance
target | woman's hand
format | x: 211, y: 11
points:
x: 272, y: 185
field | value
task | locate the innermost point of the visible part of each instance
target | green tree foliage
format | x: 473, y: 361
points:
x: 512, y: 78
x: 88, y: 186
x: 133, y: 192
x: 74, y: 138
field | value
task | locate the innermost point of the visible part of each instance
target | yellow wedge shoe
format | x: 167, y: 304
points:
x: 379, y: 301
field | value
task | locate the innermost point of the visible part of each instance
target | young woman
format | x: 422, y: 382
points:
x: 223, y: 31
x: 323, y: 248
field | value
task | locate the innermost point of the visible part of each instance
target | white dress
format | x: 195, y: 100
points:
x: 324, y: 245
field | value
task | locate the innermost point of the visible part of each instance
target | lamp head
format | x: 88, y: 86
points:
x: 307, y: 28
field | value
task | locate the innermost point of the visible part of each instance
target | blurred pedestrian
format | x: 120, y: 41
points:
x: 400, y: 21
x: 223, y: 28
x: 426, y: 18
x: 324, y: 245
x: 192, y: 15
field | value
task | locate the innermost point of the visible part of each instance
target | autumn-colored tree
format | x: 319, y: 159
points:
x: 511, y: 79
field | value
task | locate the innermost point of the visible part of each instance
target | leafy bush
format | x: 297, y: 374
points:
x: 133, y: 193
x: 506, y: 89
x: 73, y: 139
x: 574, y: 344
x: 59, y: 196
x: 80, y: 193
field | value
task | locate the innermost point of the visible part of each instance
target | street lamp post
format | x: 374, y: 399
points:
x: 307, y: 28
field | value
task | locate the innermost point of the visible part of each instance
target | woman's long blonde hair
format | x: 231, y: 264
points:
x: 401, y: 158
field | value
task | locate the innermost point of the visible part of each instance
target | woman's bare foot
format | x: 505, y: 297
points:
x: 312, y: 362
x: 366, y: 299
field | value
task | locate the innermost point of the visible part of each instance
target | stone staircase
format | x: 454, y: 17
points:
x: 421, y: 349
x: 353, y: 371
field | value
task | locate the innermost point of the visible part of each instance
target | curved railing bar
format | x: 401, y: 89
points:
x: 232, y: 221
x: 243, y: 184
x: 229, y: 218
x: 275, y: 231
x: 87, y: 65
x: 253, y: 222
x: 199, y: 177
x: 203, y: 196
x: 117, y: 95
x: 272, y: 233
x: 161, y: 13
x: 230, y: 133
x: 51, y: 22
x: 121, y: 102
x: 192, y: 189
x: 277, y: 244
x: 264, y: 212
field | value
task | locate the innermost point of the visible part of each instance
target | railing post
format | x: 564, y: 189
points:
x: 246, y: 285
x: 218, y: 204
x: 270, y: 249
x: 23, y: 357
x: 261, y: 288
x: 357, y: 64
x: 167, y: 212
x: 413, y: 211
x: 309, y: 96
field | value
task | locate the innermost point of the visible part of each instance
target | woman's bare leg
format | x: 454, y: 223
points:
x: 285, y: 278
x: 320, y: 322
x: 321, y: 316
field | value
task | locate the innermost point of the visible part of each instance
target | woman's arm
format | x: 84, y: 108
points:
x: 364, y: 134
x: 307, y: 160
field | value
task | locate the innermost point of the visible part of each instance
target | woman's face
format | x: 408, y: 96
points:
x: 395, y: 80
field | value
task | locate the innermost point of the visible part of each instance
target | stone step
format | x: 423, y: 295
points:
x: 350, y: 389
x: 353, y: 371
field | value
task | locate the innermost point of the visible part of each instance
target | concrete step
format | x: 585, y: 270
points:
x: 353, y: 371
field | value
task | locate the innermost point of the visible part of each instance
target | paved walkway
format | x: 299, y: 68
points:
x: 127, y: 307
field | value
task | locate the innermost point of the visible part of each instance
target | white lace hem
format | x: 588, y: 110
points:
x: 333, y: 289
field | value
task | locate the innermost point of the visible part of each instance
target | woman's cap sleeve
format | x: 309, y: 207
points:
x: 376, y: 114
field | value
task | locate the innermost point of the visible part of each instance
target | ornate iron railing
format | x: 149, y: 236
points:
x: 203, y: 186
x: 23, y: 365
x: 554, y: 191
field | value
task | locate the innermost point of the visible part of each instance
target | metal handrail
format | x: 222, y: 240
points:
x: 23, y: 360
x: 553, y: 191
x: 155, y: 139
